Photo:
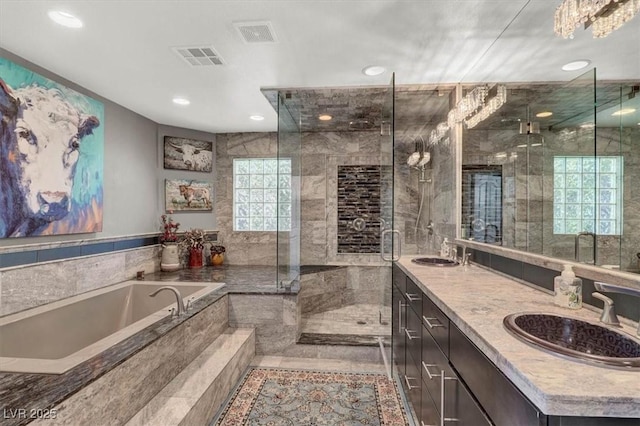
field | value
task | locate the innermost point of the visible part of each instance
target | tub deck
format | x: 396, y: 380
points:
x: 41, y: 391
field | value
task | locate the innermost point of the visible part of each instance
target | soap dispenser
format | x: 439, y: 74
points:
x: 444, y: 248
x: 567, y: 289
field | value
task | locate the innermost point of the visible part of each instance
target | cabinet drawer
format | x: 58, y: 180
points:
x: 398, y: 319
x: 437, y: 323
x: 501, y: 400
x: 460, y: 407
x: 433, y: 363
x: 413, y: 335
x: 429, y: 415
x: 399, y: 279
x: 413, y: 385
x: 414, y: 296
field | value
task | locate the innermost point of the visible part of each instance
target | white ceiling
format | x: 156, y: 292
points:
x: 124, y: 50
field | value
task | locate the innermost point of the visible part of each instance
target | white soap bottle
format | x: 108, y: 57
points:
x: 567, y: 289
x: 444, y: 248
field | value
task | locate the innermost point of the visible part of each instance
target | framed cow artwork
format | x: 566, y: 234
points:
x: 51, y: 156
x: 187, y: 195
x: 188, y: 154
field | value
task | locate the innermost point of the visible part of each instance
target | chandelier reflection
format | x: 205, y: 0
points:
x: 604, y: 16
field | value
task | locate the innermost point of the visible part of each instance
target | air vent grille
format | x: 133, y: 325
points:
x: 256, y: 32
x: 199, y: 56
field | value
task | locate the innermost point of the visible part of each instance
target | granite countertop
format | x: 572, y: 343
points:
x: 476, y: 300
x: 238, y: 279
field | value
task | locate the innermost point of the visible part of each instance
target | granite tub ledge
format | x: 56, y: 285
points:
x: 476, y: 300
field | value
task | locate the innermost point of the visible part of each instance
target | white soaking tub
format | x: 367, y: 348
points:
x: 58, y: 336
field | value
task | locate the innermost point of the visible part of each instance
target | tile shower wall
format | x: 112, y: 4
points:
x: 359, y: 208
x: 243, y: 248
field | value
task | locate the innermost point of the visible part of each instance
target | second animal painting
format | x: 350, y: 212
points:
x: 188, y: 154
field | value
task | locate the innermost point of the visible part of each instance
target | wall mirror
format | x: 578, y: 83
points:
x: 555, y: 171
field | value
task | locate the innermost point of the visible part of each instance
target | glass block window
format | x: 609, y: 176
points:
x: 587, y: 195
x: 261, y: 194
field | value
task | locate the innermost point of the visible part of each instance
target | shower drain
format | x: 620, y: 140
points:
x: 362, y: 322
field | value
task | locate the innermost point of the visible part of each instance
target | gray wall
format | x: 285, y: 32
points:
x: 133, y: 171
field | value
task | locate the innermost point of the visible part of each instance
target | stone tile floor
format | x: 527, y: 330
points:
x: 345, y: 321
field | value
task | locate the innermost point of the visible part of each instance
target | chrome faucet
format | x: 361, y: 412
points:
x: 600, y: 286
x: 176, y: 292
x: 576, y: 250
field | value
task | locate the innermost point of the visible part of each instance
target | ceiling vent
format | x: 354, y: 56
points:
x: 199, y: 56
x: 256, y: 32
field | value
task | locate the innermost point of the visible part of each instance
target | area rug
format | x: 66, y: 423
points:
x: 274, y: 397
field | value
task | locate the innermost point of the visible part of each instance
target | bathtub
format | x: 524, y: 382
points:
x: 59, y: 336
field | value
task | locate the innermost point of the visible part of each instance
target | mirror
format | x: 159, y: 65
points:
x: 554, y: 170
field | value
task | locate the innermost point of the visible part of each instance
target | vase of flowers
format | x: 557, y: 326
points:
x: 217, y: 254
x: 193, y: 242
x: 170, y: 260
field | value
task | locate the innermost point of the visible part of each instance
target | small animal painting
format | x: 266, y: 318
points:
x: 188, y: 154
x: 181, y: 195
x: 51, y: 156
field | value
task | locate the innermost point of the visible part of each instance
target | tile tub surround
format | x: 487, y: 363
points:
x: 27, y: 286
x: 38, y: 391
x: 477, y: 300
x: 113, y: 368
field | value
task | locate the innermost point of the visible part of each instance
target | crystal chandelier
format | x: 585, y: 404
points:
x: 605, y: 16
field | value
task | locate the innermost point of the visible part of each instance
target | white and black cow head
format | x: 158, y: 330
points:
x: 40, y: 138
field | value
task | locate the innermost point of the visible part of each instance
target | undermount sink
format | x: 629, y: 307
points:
x: 575, y: 339
x: 434, y: 261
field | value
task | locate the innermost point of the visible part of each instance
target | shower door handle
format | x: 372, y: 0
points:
x: 393, y: 257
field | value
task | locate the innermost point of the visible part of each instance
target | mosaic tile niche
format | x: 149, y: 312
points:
x: 359, y: 207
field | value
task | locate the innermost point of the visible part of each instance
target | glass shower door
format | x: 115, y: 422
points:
x: 288, y: 198
x: 390, y: 243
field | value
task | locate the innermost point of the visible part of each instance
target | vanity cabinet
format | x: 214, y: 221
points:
x: 448, y: 380
x: 420, y: 352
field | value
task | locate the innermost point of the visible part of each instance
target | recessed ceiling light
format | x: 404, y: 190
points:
x: 325, y: 117
x: 256, y: 117
x: 544, y: 114
x: 65, y: 19
x: 624, y: 111
x: 181, y: 101
x: 576, y: 65
x: 372, y: 70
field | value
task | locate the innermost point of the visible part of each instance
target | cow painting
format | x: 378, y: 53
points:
x: 198, y: 195
x: 181, y: 195
x: 42, y: 138
x: 188, y: 154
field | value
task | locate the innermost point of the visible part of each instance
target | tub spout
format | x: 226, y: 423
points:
x: 176, y: 292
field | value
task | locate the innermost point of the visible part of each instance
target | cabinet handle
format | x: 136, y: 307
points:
x: 413, y: 297
x: 443, y: 380
x: 400, y: 306
x: 426, y: 368
x: 428, y: 321
x: 408, y: 333
x: 406, y: 380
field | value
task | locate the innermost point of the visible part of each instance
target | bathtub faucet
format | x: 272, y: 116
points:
x: 175, y: 291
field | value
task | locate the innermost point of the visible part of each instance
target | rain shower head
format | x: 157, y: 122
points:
x: 426, y: 157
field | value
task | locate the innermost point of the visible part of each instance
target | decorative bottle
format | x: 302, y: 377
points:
x: 567, y: 289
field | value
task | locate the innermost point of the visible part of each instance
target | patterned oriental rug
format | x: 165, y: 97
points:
x: 276, y: 397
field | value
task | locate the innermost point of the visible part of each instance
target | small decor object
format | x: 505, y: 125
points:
x: 187, y: 195
x: 188, y: 154
x: 193, y: 242
x: 170, y: 260
x: 217, y: 254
